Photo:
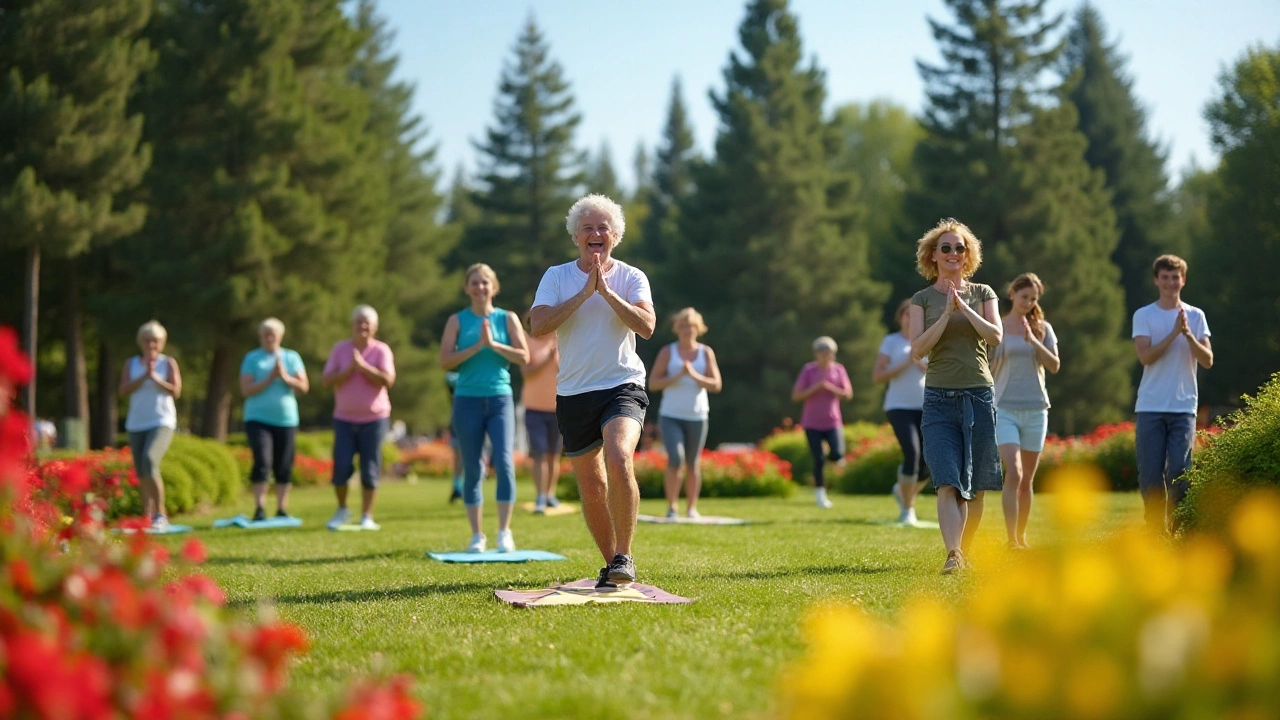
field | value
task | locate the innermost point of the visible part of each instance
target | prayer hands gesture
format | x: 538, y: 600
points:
x: 687, y: 368
x: 486, y: 334
x: 278, y: 370
x: 151, y: 370
x: 1180, y: 325
x: 358, y: 359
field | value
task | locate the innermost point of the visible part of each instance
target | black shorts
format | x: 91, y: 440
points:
x: 582, y: 417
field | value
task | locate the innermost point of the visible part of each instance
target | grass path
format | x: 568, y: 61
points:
x: 371, y: 600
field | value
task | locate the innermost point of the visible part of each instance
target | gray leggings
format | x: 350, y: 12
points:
x: 149, y: 447
x: 682, y: 437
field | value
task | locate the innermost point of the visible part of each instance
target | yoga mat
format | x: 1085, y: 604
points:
x: 354, y: 527
x: 922, y: 524
x: 171, y: 530
x: 682, y: 520
x: 584, y: 592
x: 241, y: 521
x: 564, y: 509
x: 493, y: 556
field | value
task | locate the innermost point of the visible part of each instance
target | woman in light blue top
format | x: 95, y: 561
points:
x: 152, y: 382
x: 481, y: 342
x: 269, y: 378
x: 1022, y: 403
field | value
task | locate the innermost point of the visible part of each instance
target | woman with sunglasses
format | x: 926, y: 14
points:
x: 956, y: 323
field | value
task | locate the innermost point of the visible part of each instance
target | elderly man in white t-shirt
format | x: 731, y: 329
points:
x: 597, y: 305
x: 1171, y: 338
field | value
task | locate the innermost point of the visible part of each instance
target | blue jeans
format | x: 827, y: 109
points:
x: 364, y: 439
x: 959, y: 428
x: 473, y: 418
x: 1164, y: 443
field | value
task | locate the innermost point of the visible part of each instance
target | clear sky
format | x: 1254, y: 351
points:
x: 620, y: 58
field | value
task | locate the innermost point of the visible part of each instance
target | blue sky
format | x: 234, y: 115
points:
x: 620, y: 58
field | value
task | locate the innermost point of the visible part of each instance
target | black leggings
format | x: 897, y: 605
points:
x: 273, y: 448
x: 906, y: 426
x: 834, y: 439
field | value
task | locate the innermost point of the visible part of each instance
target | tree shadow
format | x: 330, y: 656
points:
x: 809, y: 570
x: 373, y: 595
x: 296, y: 562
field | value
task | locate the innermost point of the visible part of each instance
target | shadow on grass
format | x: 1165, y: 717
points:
x: 805, y: 571
x: 341, y: 596
x: 295, y: 562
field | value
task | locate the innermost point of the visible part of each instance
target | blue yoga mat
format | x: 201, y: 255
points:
x: 171, y: 530
x: 241, y: 521
x: 492, y: 556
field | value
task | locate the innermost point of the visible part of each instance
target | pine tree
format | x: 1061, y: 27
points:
x: 771, y: 251
x: 640, y: 166
x: 1001, y: 152
x: 529, y: 173
x: 601, y: 177
x: 1134, y: 166
x: 70, y: 149
x: 672, y: 180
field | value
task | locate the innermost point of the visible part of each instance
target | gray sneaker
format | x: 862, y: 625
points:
x: 622, y: 570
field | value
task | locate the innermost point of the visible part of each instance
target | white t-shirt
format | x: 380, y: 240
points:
x: 906, y: 389
x: 597, y: 351
x: 1169, y: 384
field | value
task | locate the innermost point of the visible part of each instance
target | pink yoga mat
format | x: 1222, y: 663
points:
x: 584, y: 592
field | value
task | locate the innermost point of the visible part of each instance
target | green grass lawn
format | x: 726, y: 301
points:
x: 372, y: 602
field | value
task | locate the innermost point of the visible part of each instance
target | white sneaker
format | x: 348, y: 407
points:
x: 821, y: 496
x: 477, y: 543
x: 693, y: 514
x: 908, y: 517
x: 540, y: 507
x: 367, y: 523
x: 159, y: 523
x: 506, y: 543
x: 339, y: 518
x: 672, y: 514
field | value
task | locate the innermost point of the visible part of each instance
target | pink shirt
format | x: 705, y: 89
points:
x: 358, y: 400
x: 822, y: 409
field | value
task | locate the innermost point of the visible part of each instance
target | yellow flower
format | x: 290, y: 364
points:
x: 1078, y: 496
x: 1256, y: 525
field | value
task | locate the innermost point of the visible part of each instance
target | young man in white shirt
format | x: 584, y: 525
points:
x: 1171, y: 338
x: 597, y: 305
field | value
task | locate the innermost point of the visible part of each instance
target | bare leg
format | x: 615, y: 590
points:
x: 973, y: 517
x: 621, y: 434
x: 504, y: 515
x: 366, y: 500
x: 474, y: 516
x: 539, y: 470
x: 551, y: 473
x: 693, y: 483
x: 282, y: 495
x: 952, y: 511
x: 1010, y: 494
x: 259, y: 494
x: 340, y: 492
x: 594, y: 490
x: 671, y: 485
x: 158, y: 493
x: 1030, y: 461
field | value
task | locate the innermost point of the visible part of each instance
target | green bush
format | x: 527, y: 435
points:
x: 794, y: 448
x: 873, y: 473
x: 1243, y: 458
x: 198, y: 472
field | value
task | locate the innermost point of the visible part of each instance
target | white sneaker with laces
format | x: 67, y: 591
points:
x: 367, y: 523
x: 339, y: 518
x: 820, y: 495
x: 693, y: 514
x: 477, y: 543
x: 506, y: 543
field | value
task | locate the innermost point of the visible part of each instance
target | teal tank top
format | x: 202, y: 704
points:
x: 486, y: 373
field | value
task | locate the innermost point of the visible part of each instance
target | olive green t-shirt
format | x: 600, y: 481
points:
x: 959, y: 359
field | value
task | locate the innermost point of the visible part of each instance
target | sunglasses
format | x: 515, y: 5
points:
x: 946, y: 249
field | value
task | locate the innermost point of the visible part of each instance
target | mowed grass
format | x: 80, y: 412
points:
x: 372, y: 602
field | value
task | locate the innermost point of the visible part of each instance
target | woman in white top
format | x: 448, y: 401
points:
x: 1022, y: 404
x: 903, y: 406
x: 685, y: 371
x: 152, y: 382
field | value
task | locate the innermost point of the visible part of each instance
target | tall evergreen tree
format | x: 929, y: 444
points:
x: 601, y: 177
x: 771, y: 249
x: 459, y: 210
x: 1244, y: 211
x: 529, y: 173
x: 640, y: 166
x: 70, y: 149
x: 1134, y: 166
x: 672, y: 179
x: 1001, y: 152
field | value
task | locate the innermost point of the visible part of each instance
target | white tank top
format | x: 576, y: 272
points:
x: 685, y: 399
x: 149, y: 406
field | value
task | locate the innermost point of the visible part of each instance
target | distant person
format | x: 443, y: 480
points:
x: 152, y: 382
x: 903, y: 403
x: 270, y: 378
x: 685, y: 371
x: 360, y: 370
x: 956, y: 324
x: 597, y: 305
x: 455, y: 450
x: 539, y: 399
x: 821, y: 385
x: 1018, y: 365
x: 481, y: 342
x: 1171, y: 338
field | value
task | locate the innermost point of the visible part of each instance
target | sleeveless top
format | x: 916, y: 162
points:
x: 486, y: 373
x: 149, y: 406
x: 685, y: 399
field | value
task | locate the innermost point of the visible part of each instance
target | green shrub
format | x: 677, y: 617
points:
x: 198, y: 472
x: 1243, y: 458
x: 793, y: 447
x: 874, y: 472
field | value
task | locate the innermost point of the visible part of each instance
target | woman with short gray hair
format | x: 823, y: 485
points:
x: 270, y: 377
x: 152, y: 382
x: 821, y: 385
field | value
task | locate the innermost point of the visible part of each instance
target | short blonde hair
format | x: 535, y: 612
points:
x: 929, y: 242
x: 271, y: 324
x: 485, y: 272
x: 153, y: 329
x: 824, y: 343
x: 600, y: 203
x: 693, y: 316
x: 365, y: 311
x: 1169, y: 262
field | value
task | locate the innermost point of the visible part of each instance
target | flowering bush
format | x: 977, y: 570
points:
x: 103, y: 627
x: 1133, y: 627
x: 752, y: 473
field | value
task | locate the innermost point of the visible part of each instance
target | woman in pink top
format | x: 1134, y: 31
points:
x: 360, y: 371
x: 822, y: 384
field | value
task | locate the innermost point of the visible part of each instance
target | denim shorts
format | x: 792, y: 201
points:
x: 959, y: 429
x: 1024, y: 428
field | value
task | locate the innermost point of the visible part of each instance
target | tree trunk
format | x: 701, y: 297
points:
x: 104, y: 421
x: 76, y: 381
x: 217, y: 399
x: 30, y: 322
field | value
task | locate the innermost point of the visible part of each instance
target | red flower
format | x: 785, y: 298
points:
x: 14, y: 365
x: 193, y: 551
